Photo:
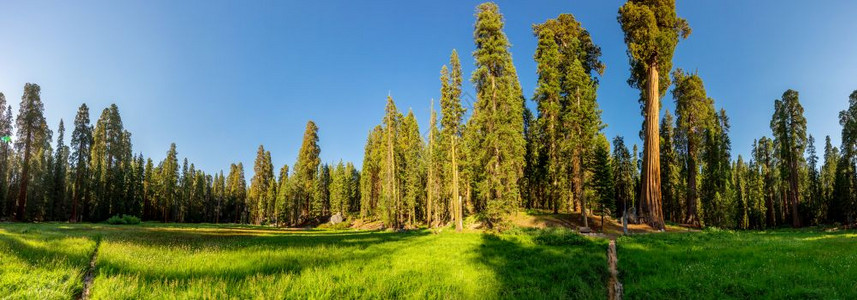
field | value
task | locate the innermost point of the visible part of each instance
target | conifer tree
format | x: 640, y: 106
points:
x: 169, y: 183
x: 451, y: 118
x: 257, y: 197
x: 652, y: 31
x: 497, y: 119
x: 435, y: 169
x: 670, y: 170
x: 828, y: 176
x: 305, y: 171
x: 844, y: 201
x: 411, y: 145
x: 339, y: 192
x: 695, y: 112
x: 306, y: 168
x: 31, y: 139
x: 603, y: 178
x: 5, y: 157
x: 789, y: 127
x: 623, y: 172
x: 321, y: 192
x: 81, y: 143
x: 60, y: 167
x: 371, y: 177
x: 237, y: 191
x: 391, y: 198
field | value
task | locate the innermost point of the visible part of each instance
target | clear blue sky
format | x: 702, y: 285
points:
x: 219, y: 78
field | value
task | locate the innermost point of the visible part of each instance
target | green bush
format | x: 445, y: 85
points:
x: 123, y: 219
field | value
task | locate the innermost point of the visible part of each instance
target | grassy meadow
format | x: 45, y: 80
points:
x: 202, y: 261
x: 714, y: 264
x: 208, y: 261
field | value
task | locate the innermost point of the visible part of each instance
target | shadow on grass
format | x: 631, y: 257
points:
x: 54, y: 254
x: 553, y: 264
x: 254, y: 254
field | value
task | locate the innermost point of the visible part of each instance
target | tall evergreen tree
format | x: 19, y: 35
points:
x: 827, y: 176
x: 81, y: 143
x: 371, y: 179
x: 31, y: 139
x: 452, y: 114
x: 695, y: 112
x: 60, y: 167
x: 169, y: 183
x: 411, y: 145
x: 652, y: 31
x: 789, y: 127
x: 263, y: 173
x: 844, y: 201
x: 670, y: 170
x: 497, y: 119
x: 305, y: 170
x: 6, y: 202
x: 603, y: 178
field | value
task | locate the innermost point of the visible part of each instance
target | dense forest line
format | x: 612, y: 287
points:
x: 502, y: 159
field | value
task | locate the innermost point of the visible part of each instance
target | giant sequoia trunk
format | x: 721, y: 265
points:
x: 650, y: 194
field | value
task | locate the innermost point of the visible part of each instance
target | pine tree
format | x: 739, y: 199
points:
x: 257, y: 197
x: 451, y: 132
x: 603, y: 178
x: 695, y: 112
x: 60, y: 167
x: 435, y: 169
x: 843, y: 208
x: 624, y: 173
x: 306, y: 169
x: 413, y: 169
x: 814, y: 193
x: 169, y: 183
x: 321, y: 191
x: 828, y: 176
x: 236, y: 187
x: 5, y: 156
x: 652, y: 31
x: 670, y: 170
x: 371, y: 179
x: 391, y: 191
x: 339, y: 192
x: 31, y: 139
x: 497, y: 118
x: 789, y: 127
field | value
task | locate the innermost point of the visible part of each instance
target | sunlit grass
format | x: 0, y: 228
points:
x: 214, y: 262
x: 36, y: 264
x: 791, y: 264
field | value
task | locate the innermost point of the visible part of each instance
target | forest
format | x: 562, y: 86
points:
x: 515, y: 194
x: 504, y: 158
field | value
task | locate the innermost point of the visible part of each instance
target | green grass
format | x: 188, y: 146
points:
x: 153, y: 260
x: 714, y: 264
x: 41, y: 264
x: 209, y: 261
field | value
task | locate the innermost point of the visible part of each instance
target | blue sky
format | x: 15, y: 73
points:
x: 219, y: 78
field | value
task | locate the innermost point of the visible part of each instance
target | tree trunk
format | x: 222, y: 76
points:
x: 651, y: 177
x: 459, y: 224
x: 794, y: 194
x: 22, y: 191
x: 692, y: 199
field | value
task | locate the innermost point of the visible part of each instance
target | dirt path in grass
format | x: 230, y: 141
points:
x: 614, y: 287
x: 90, y: 272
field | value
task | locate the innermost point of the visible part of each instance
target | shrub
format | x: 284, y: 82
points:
x: 123, y: 219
